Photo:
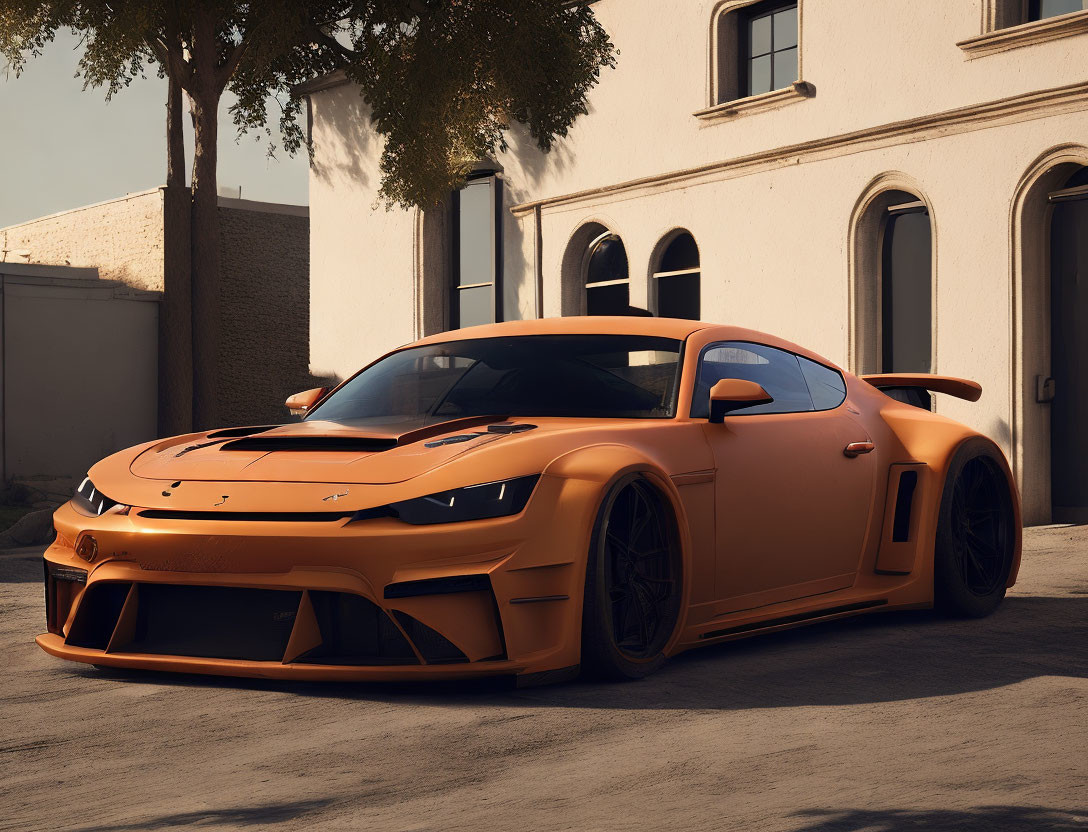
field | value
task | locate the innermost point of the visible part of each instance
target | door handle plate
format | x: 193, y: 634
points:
x: 857, y: 448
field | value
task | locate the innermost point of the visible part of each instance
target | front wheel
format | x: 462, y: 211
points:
x: 976, y: 535
x: 633, y: 583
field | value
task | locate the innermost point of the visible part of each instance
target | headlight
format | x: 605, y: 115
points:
x: 89, y: 500
x: 474, y: 502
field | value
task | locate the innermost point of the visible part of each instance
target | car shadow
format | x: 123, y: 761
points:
x: 981, y: 819
x: 875, y: 658
x: 261, y: 817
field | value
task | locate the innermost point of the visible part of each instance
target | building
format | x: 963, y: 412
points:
x: 87, y: 371
x: 899, y: 185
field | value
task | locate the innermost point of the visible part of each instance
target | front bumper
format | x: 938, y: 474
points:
x: 371, y: 600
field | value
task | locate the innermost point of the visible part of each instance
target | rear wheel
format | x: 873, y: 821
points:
x: 976, y: 535
x: 633, y: 583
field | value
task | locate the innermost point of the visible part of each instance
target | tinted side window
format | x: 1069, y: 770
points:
x: 826, y: 386
x: 779, y: 372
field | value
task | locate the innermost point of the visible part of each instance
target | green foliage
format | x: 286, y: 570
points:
x: 444, y: 79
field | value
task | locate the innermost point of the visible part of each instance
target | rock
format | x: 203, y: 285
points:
x: 33, y: 528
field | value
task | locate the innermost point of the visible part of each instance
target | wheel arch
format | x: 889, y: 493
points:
x: 606, y: 465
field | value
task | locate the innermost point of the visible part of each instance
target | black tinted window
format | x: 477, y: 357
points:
x: 779, y: 373
x: 610, y: 376
x: 825, y: 385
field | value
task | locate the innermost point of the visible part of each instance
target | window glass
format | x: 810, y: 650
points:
x: 826, y: 386
x: 1042, y: 9
x: 589, y: 376
x: 676, y: 281
x: 608, y: 290
x: 476, y: 266
x: 769, y: 50
x: 906, y: 291
x: 779, y: 373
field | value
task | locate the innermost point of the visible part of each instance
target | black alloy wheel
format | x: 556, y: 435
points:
x: 976, y: 534
x: 633, y: 582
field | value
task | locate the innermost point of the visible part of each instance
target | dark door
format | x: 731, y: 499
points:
x: 1069, y: 360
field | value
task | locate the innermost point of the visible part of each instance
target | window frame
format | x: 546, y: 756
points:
x: 745, y: 15
x: 496, y: 284
x: 741, y: 412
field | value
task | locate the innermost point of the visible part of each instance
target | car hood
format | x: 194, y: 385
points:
x: 315, y: 451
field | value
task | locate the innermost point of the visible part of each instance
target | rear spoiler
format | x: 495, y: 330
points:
x: 961, y: 388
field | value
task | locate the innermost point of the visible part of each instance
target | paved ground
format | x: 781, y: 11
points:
x: 899, y: 722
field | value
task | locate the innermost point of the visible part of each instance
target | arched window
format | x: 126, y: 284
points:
x: 906, y: 291
x: 675, y: 284
x: 608, y: 285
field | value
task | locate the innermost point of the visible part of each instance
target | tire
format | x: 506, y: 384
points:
x: 633, y: 583
x: 976, y: 535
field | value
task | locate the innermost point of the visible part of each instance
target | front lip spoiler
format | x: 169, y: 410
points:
x: 54, y: 645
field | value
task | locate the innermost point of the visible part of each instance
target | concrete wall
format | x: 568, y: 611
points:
x: 894, y: 95
x: 78, y: 372
x: 264, y: 286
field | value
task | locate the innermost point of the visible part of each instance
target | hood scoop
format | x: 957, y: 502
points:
x: 290, y: 442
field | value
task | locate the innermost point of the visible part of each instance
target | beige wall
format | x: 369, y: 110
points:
x: 122, y: 238
x: 772, y: 191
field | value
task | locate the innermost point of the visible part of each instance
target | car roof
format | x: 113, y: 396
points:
x: 677, y: 328
x: 583, y: 325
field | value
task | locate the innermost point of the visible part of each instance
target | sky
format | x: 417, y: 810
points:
x: 62, y: 147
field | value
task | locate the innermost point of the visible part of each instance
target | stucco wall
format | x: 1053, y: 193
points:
x: 122, y: 238
x: 772, y: 195
x: 264, y: 288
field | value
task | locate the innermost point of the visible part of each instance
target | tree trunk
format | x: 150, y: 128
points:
x: 175, y: 137
x: 204, y: 105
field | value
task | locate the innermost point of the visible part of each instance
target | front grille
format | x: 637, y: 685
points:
x: 213, y: 622
x: 218, y: 622
x: 248, y: 516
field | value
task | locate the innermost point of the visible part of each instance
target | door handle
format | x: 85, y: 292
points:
x: 857, y: 448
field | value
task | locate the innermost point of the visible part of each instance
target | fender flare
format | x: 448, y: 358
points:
x: 606, y: 464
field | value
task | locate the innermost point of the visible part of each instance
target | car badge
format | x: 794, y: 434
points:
x: 225, y: 498
x: 335, y: 497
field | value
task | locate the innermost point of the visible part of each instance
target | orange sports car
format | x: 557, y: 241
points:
x: 532, y: 498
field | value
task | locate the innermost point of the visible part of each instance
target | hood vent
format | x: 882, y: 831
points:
x: 353, y: 444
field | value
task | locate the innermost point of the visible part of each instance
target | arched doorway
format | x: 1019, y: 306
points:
x: 1066, y: 388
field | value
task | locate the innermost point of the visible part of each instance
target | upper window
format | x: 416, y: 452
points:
x: 476, y: 291
x: 608, y: 285
x: 675, y: 284
x: 1042, y: 9
x: 768, y: 47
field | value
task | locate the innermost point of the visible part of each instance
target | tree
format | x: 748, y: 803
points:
x: 444, y: 80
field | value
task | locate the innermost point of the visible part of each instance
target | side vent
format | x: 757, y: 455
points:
x: 903, y: 528
x: 903, y: 503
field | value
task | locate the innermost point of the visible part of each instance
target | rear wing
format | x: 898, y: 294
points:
x: 961, y: 388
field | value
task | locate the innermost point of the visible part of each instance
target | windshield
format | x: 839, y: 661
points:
x: 604, y: 376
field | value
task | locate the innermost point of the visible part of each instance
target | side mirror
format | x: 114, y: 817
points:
x: 301, y: 403
x: 731, y: 394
